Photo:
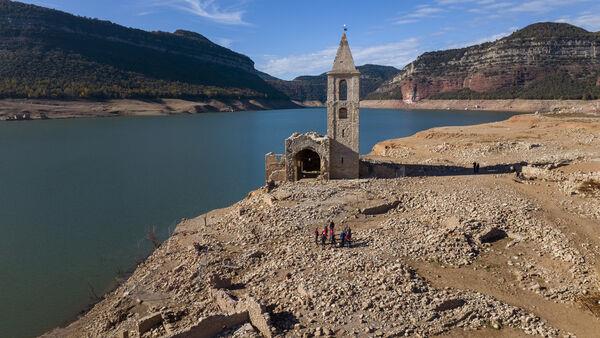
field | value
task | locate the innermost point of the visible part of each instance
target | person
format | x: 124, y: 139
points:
x: 316, y: 235
x: 332, y: 236
x: 323, y: 236
x: 342, y: 238
x: 474, y: 167
x: 332, y: 232
x: 349, y: 237
x: 477, y: 168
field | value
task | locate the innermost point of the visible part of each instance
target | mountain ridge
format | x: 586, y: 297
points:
x: 314, y: 87
x: 52, y: 54
x: 541, y: 61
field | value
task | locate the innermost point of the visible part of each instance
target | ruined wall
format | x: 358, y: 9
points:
x: 376, y: 169
x: 211, y: 326
x: 274, y: 168
x: 298, y: 142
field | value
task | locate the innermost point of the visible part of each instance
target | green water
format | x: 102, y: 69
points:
x: 77, y: 196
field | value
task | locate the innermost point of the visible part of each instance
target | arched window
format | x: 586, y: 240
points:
x: 343, y: 113
x: 343, y: 90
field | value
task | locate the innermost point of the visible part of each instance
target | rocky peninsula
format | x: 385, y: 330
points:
x: 442, y: 252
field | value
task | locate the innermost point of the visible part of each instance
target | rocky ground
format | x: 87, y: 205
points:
x: 450, y: 254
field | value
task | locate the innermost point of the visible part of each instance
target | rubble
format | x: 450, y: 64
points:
x: 524, y: 249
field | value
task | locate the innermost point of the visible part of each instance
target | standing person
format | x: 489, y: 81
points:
x: 474, y: 167
x: 332, y: 236
x: 323, y: 236
x: 343, y: 238
x: 332, y: 232
x: 349, y: 237
x: 478, y: 167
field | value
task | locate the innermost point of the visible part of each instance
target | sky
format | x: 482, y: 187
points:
x: 288, y: 38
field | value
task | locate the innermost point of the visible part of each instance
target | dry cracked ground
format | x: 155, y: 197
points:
x: 445, y: 253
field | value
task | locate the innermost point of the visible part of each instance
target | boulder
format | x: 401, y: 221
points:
x: 450, y: 304
x: 492, y: 235
x: 149, y: 322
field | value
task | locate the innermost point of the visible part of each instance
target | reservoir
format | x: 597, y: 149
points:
x: 78, y: 197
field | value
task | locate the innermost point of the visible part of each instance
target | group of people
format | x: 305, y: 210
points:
x: 329, y: 232
x: 475, y: 167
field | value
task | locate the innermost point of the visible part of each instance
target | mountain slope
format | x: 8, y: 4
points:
x: 314, y: 88
x: 541, y: 61
x: 51, y: 54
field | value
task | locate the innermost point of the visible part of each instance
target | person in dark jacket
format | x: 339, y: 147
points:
x: 349, y: 237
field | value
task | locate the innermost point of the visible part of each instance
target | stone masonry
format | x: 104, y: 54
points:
x: 335, y: 156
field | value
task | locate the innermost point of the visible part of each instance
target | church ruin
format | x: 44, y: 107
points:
x: 335, y: 156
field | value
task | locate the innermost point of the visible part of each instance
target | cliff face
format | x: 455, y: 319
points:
x: 542, y: 61
x: 51, y: 54
x: 314, y: 88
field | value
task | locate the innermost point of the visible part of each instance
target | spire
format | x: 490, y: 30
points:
x: 344, y: 63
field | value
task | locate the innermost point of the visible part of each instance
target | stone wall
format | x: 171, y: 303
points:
x: 376, y: 169
x: 274, y: 168
x: 298, y: 142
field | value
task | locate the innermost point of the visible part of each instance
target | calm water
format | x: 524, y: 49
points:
x: 77, y: 196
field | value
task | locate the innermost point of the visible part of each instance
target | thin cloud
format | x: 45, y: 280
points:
x: 420, y: 12
x: 397, y: 54
x: 587, y: 20
x: 483, y: 40
x: 207, y: 9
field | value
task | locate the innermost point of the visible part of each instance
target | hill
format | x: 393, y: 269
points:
x: 314, y: 88
x: 541, y: 61
x: 51, y: 54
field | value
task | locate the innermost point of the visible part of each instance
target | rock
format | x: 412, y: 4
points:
x: 219, y: 282
x: 149, y: 322
x: 450, y: 304
x: 380, y: 208
x: 492, y: 235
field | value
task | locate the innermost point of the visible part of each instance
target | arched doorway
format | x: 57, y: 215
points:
x: 308, y: 164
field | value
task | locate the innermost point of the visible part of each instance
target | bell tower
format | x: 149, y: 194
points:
x: 343, y: 99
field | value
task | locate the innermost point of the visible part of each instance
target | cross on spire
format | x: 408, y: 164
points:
x: 345, y: 28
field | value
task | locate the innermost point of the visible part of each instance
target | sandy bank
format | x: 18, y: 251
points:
x: 521, y: 106
x: 70, y: 109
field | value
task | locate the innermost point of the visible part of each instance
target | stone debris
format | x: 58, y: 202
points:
x: 259, y: 271
x: 149, y: 322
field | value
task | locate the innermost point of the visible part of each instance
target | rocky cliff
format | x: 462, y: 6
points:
x: 541, y: 61
x: 46, y: 53
x: 314, y: 88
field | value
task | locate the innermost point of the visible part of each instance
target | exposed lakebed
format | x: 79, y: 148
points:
x: 77, y: 197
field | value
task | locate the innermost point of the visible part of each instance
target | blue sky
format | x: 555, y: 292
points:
x: 287, y: 38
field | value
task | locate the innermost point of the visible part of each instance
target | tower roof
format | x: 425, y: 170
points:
x: 344, y: 63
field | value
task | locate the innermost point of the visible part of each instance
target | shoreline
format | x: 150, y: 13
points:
x: 591, y: 107
x: 30, y: 109
x: 178, y: 253
x: 33, y: 109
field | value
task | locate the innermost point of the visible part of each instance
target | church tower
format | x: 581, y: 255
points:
x: 343, y: 99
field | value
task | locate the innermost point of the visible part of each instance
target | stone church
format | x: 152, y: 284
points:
x: 335, y: 156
